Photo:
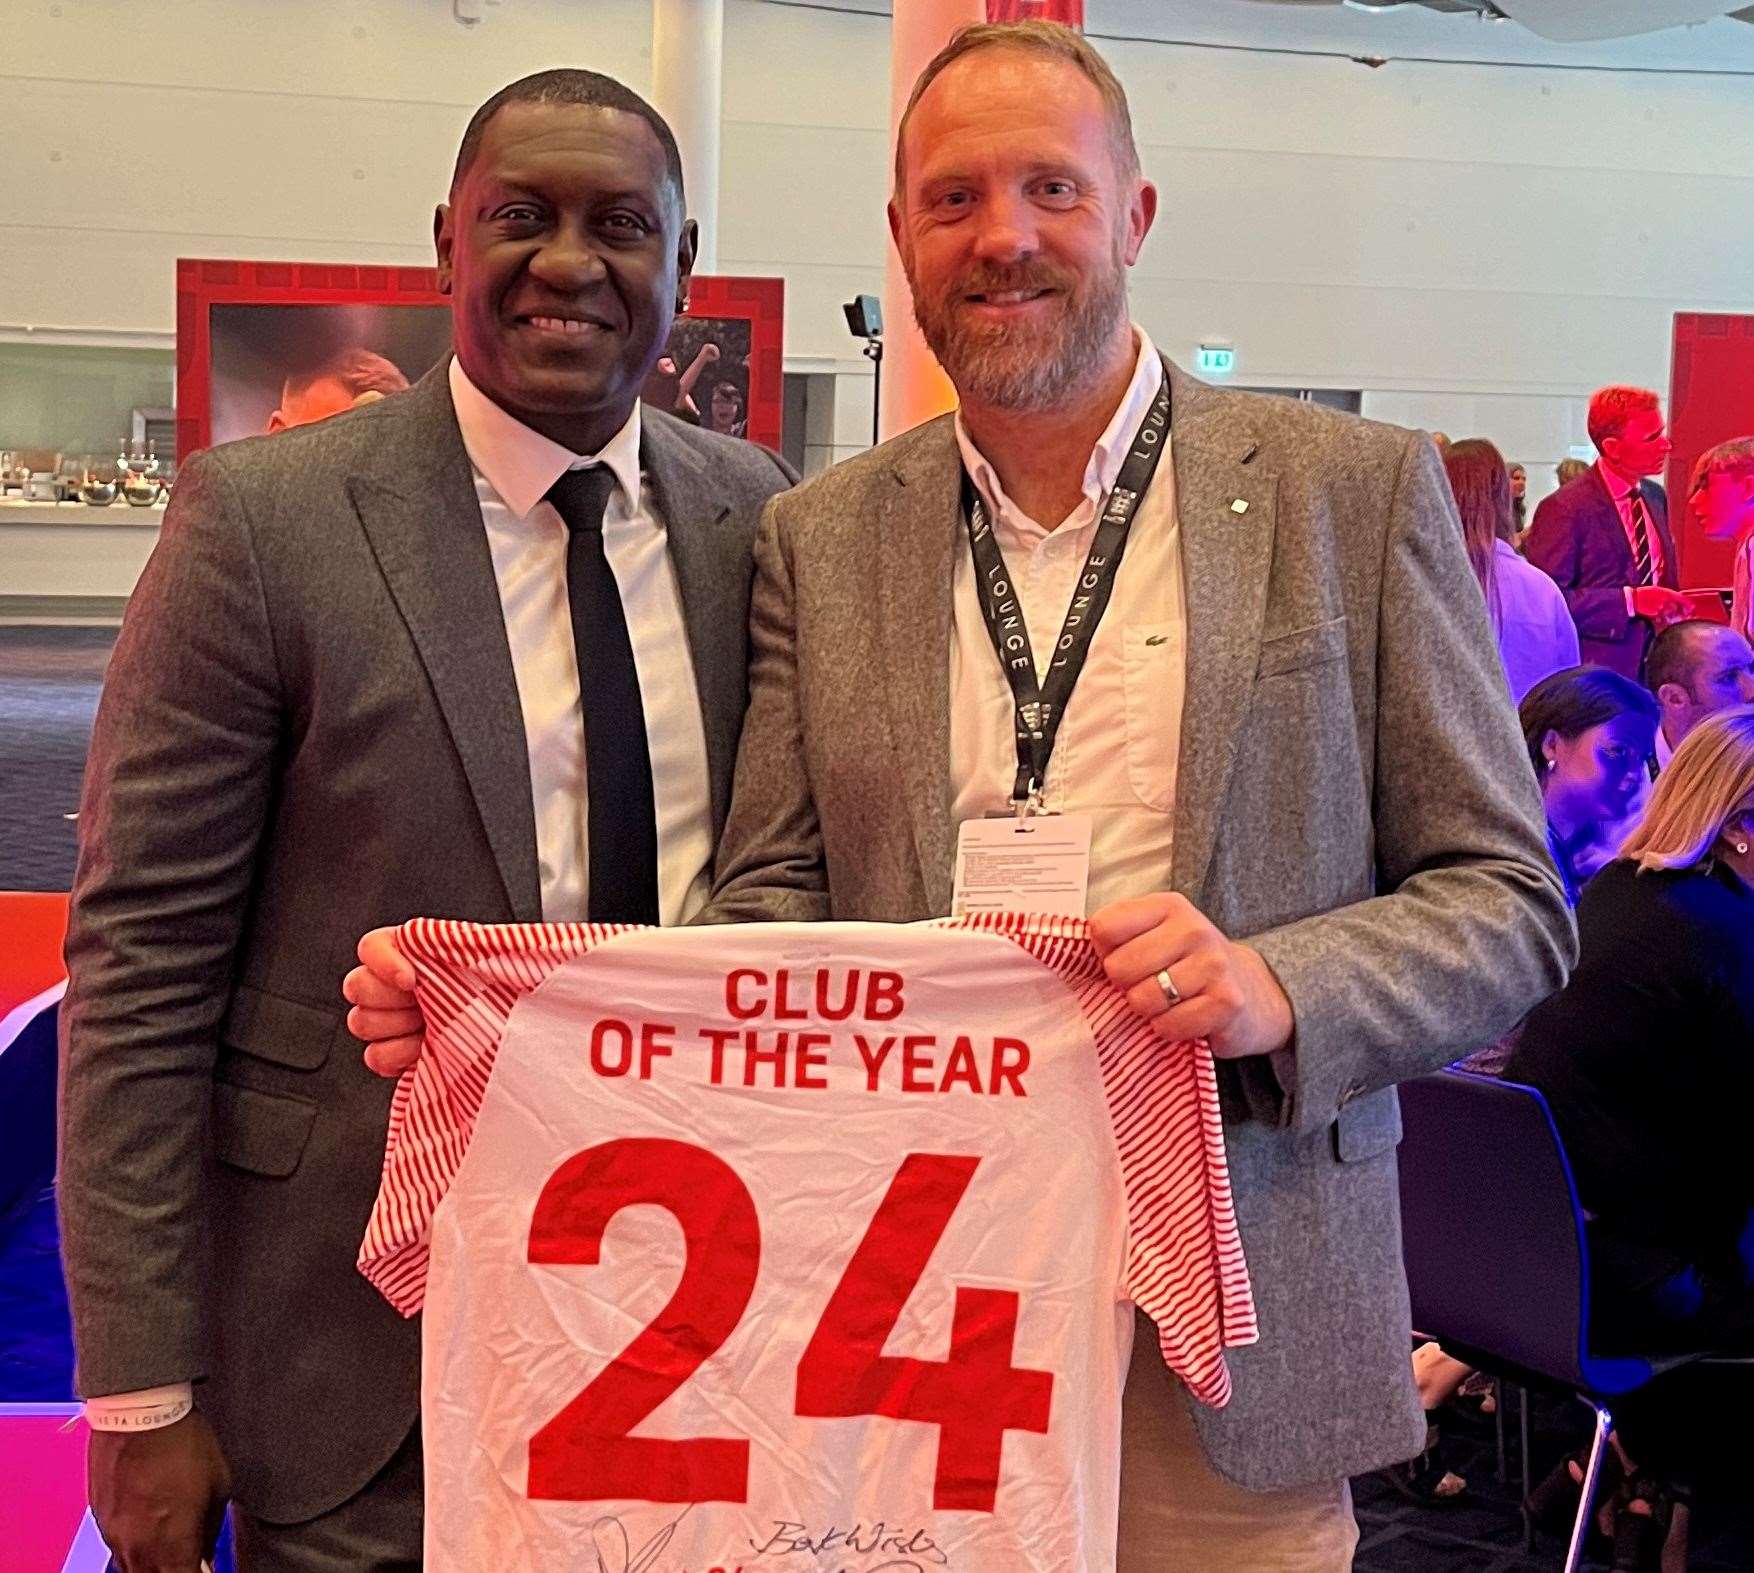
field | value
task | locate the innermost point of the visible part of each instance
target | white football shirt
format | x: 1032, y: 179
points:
x: 803, y: 1245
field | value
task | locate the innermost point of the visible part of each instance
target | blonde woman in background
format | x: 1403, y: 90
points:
x: 1644, y: 1059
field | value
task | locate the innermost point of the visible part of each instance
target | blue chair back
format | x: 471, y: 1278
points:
x: 1492, y: 1232
x: 27, y: 1098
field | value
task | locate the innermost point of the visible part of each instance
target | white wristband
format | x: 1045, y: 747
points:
x: 150, y: 1409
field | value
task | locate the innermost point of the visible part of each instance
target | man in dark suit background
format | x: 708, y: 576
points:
x: 1604, y: 537
x: 348, y: 690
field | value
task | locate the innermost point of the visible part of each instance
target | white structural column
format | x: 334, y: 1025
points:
x: 688, y: 56
x: 914, y: 388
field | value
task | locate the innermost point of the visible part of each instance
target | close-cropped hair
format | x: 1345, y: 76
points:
x: 1611, y: 408
x: 1051, y: 39
x: 1709, y: 780
x: 1674, y: 654
x: 1735, y: 457
x: 567, y: 85
x: 1573, y: 701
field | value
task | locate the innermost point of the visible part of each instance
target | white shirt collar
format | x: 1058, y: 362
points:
x: 1106, y: 457
x: 1618, y: 489
x: 521, y: 464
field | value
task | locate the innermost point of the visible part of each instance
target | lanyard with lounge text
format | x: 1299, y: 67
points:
x: 1041, y: 707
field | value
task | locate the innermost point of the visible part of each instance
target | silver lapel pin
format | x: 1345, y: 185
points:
x: 1239, y: 506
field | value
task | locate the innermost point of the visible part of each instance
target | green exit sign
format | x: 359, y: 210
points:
x: 1215, y: 360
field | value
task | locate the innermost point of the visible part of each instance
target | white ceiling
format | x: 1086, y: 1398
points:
x: 1425, y: 29
x: 1567, y: 21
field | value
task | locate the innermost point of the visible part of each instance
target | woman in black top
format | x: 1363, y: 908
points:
x: 1647, y: 1057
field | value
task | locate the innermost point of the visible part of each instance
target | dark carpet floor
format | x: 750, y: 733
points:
x: 1482, y: 1531
x: 49, y: 681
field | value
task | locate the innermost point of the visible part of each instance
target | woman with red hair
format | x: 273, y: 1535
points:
x: 1536, y: 636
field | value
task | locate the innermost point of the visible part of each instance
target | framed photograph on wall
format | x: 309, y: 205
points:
x: 266, y: 345
x: 262, y: 345
x: 723, y: 367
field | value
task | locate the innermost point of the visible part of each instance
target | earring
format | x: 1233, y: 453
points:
x: 1741, y: 848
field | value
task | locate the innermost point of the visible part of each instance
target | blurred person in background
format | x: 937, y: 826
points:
x: 1567, y: 470
x: 1720, y: 498
x: 1643, y: 1058
x: 727, y: 408
x: 1696, y: 669
x: 1589, y: 732
x: 1529, y: 617
x: 355, y: 376
x: 1604, y: 537
x: 1519, y: 499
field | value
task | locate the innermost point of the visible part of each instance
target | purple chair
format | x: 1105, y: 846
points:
x: 1497, y: 1265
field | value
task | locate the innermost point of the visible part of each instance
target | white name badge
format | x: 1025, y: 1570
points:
x: 1038, y: 865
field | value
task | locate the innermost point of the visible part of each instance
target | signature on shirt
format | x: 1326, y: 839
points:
x: 907, y: 1552
x: 901, y: 1550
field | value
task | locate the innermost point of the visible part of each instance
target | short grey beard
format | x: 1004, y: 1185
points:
x: 1016, y: 371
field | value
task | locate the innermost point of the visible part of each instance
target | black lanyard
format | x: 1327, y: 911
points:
x: 1040, y: 708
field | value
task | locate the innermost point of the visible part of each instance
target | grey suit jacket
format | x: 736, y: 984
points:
x: 1354, y: 797
x: 310, y: 726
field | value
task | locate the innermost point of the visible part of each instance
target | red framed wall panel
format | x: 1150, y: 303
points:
x: 1711, y: 399
x: 750, y: 311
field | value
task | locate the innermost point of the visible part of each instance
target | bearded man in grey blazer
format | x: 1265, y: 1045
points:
x: 1316, y: 839
x: 348, y: 691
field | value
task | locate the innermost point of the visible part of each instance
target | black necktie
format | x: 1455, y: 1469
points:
x: 623, y: 826
x: 1641, y: 560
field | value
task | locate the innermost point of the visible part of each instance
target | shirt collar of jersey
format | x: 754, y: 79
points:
x: 521, y: 464
x: 1106, y: 458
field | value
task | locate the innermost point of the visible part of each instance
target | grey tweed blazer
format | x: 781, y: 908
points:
x: 310, y: 727
x: 1354, y: 798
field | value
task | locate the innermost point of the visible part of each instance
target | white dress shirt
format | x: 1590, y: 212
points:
x: 1120, y: 738
x: 1621, y: 493
x: 514, y: 468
